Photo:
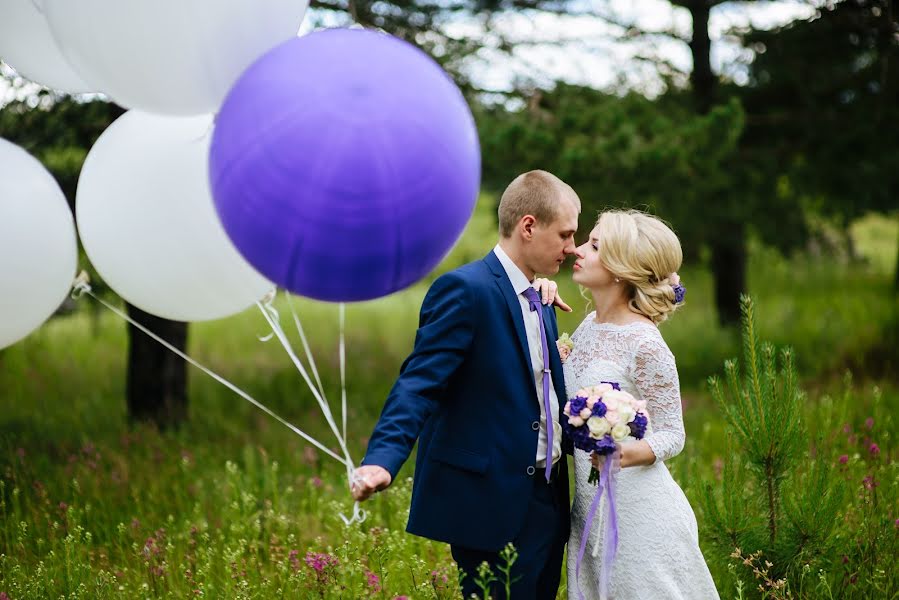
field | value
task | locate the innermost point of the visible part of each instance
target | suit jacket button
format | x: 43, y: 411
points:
x: 531, y: 470
x: 535, y: 425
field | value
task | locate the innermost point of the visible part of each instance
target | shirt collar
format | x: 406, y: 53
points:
x: 519, y: 282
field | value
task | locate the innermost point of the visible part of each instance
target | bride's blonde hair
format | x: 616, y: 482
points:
x: 641, y: 250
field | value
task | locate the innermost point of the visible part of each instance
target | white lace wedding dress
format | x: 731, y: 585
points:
x: 658, y: 545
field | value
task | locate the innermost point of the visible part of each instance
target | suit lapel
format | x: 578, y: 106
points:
x: 508, y: 294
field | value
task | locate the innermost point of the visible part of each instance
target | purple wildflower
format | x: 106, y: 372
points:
x: 374, y: 582
x: 844, y: 459
x: 874, y: 449
x: 869, y: 423
x: 319, y: 561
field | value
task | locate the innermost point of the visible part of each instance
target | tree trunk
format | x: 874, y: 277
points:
x: 157, y: 377
x: 728, y: 253
x: 702, y: 78
x: 729, y: 274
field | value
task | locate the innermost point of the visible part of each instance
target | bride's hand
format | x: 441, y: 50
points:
x: 549, y: 292
x: 599, y: 459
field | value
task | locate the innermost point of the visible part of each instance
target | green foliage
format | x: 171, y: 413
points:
x: 763, y: 409
x: 619, y: 151
x: 820, y: 96
x: 785, y: 505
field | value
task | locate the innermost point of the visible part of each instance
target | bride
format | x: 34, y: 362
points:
x: 629, y: 267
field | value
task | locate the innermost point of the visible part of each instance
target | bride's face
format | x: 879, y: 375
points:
x: 589, y: 271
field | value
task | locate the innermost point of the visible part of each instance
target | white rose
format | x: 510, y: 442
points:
x: 626, y: 413
x: 620, y: 432
x: 598, y: 427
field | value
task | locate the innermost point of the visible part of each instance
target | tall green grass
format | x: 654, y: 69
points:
x: 229, y: 505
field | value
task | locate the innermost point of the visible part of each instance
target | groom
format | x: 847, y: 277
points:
x: 472, y: 393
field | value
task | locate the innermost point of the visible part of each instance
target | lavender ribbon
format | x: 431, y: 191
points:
x: 610, y: 540
x: 537, y: 306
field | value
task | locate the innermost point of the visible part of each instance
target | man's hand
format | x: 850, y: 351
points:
x: 549, y: 293
x: 369, y: 479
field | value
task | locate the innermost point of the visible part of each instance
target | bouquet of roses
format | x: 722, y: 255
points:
x: 601, y: 417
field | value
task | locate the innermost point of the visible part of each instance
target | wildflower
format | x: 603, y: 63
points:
x: 873, y: 449
x: 294, y: 559
x: 844, y: 459
x: 869, y: 423
x: 374, y: 582
x: 317, y: 482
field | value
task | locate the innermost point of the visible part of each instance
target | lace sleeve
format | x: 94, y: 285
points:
x: 655, y: 376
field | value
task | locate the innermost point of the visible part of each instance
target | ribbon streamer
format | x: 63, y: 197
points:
x: 610, y: 539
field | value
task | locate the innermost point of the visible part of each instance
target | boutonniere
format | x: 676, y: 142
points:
x: 565, y: 345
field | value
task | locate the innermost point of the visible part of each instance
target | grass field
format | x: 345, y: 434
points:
x: 233, y: 505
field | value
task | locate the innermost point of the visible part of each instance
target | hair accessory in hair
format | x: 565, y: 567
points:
x: 679, y: 290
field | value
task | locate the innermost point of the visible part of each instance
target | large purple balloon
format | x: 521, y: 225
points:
x: 345, y: 164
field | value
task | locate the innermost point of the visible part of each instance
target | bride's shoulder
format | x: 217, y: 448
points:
x: 649, y: 341
x: 583, y: 325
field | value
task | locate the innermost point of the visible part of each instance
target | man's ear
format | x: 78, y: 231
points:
x: 526, y: 225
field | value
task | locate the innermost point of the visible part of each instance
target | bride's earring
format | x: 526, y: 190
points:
x: 617, y: 280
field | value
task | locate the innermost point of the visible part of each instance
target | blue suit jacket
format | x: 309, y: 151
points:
x: 467, y: 393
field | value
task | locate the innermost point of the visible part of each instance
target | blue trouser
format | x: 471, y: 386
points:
x: 540, y: 545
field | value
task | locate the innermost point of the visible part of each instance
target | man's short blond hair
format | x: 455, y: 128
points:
x: 536, y: 193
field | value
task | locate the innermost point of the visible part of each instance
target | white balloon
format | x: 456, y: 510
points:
x: 148, y: 224
x: 38, y: 249
x: 169, y: 56
x: 27, y: 45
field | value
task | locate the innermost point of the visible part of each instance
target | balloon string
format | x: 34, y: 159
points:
x: 342, y: 352
x: 81, y: 286
x: 306, y: 349
x: 358, y: 514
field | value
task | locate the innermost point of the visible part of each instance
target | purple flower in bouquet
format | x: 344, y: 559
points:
x: 638, y: 425
x: 578, y: 403
x: 605, y: 445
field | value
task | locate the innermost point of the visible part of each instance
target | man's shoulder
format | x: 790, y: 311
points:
x: 473, y: 274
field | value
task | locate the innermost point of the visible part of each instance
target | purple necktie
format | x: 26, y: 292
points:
x: 536, y: 305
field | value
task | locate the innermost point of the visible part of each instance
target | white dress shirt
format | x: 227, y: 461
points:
x: 532, y: 326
